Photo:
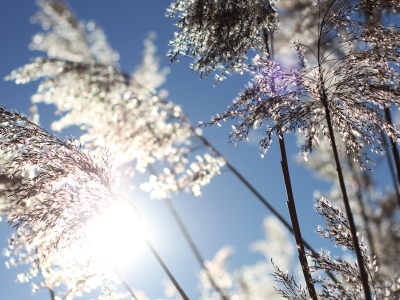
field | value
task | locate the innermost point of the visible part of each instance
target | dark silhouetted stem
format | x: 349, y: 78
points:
x: 363, y: 273
x: 156, y: 255
x: 324, y: 100
x: 295, y: 222
x: 52, y: 294
x: 176, y: 284
x: 395, y: 151
x: 361, y: 204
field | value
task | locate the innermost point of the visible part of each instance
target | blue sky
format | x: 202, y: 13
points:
x: 227, y: 213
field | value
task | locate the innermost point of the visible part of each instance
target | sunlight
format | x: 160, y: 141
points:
x: 116, y: 235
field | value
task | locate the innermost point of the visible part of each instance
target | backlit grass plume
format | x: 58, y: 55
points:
x: 70, y: 39
x: 70, y: 187
x: 218, y: 34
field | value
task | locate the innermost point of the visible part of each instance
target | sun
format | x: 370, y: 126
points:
x: 116, y: 235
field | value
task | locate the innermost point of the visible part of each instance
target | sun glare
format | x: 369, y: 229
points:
x: 116, y: 236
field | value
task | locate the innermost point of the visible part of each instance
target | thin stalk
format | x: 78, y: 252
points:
x: 190, y: 241
x: 171, y: 277
x: 324, y: 100
x: 52, y: 294
x: 125, y: 283
x: 194, y: 248
x: 391, y: 168
x: 290, y: 202
x: 363, y: 273
x: 295, y: 222
x: 155, y: 253
x: 395, y: 151
x: 361, y: 204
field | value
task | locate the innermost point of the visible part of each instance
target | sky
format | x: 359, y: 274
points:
x: 227, y: 213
